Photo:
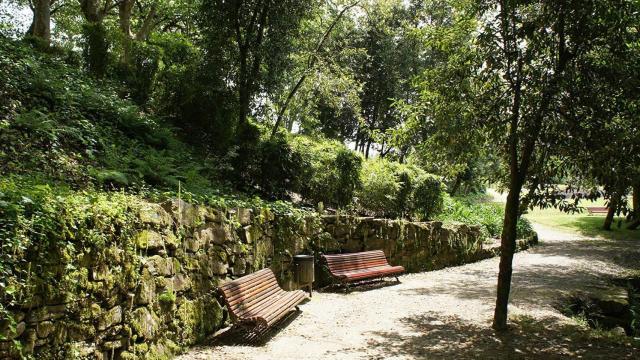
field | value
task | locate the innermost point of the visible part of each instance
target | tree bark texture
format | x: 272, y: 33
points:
x: 41, y: 25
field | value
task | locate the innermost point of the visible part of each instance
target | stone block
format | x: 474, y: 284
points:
x: 144, y: 322
x: 244, y: 216
x: 146, y: 291
x: 183, y: 213
x: 158, y: 265
x: 149, y: 239
x: 44, y: 328
x: 219, y: 268
x: 110, y: 318
x: 154, y: 214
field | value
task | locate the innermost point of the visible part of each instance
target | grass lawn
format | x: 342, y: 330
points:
x: 583, y: 223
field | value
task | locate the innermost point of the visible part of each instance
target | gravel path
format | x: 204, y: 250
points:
x: 447, y: 314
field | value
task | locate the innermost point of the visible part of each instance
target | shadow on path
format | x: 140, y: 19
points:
x: 433, y: 336
x: 243, y: 335
x: 362, y: 286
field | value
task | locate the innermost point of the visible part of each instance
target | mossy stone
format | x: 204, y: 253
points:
x: 144, y: 322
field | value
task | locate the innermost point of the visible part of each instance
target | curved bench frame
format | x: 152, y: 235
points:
x: 257, y: 299
x: 355, y: 267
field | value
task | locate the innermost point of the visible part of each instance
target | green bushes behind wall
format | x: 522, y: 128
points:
x: 393, y: 190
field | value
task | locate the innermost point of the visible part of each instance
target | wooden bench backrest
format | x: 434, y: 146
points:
x: 338, y: 263
x: 250, y: 293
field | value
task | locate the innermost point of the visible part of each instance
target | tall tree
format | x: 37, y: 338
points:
x: 311, y: 61
x: 530, y: 51
x: 248, y: 43
x: 513, y: 78
x: 96, y: 45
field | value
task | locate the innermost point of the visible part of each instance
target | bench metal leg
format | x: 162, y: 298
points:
x: 347, y: 288
x: 397, y: 280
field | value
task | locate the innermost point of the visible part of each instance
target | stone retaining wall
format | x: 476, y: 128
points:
x: 154, y: 294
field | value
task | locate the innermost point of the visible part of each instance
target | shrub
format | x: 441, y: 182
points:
x: 330, y: 173
x: 488, y: 215
x: 428, y: 197
x: 391, y: 189
x: 381, y: 186
x: 524, y: 229
x: 348, y: 167
x: 279, y: 168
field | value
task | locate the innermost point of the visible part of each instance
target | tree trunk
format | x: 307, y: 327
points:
x: 41, y: 25
x: 96, y: 45
x: 456, y: 185
x: 636, y: 208
x: 507, y: 249
x: 613, y: 205
x: 125, y: 7
x: 366, y: 154
x: 244, y: 105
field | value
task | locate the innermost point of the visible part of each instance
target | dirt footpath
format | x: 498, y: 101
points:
x: 447, y: 314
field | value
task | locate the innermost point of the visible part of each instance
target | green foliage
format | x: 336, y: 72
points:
x: 66, y: 127
x: 428, y: 196
x: 279, y: 168
x: 167, y: 298
x: 348, y: 165
x: 330, y: 173
x: 395, y: 190
x: 380, y: 188
x: 476, y: 210
x: 53, y: 225
x: 140, y: 72
x: 96, y: 48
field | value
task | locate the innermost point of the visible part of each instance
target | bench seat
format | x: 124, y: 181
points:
x: 597, y: 209
x: 258, y: 299
x: 354, y: 267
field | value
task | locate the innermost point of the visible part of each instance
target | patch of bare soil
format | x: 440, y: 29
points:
x: 447, y: 314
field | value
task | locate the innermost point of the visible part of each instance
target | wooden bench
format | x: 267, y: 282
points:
x: 597, y: 210
x: 354, y: 267
x: 258, y: 300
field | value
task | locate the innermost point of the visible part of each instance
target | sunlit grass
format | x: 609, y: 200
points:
x: 583, y: 223
x: 580, y: 223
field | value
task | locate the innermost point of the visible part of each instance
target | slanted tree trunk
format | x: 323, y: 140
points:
x: 41, y: 24
x: 310, y: 63
x: 613, y: 205
x: 507, y: 249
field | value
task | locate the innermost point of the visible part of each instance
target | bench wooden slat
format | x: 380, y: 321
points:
x: 257, y: 298
x: 248, y: 291
x: 256, y: 276
x: 246, y: 304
